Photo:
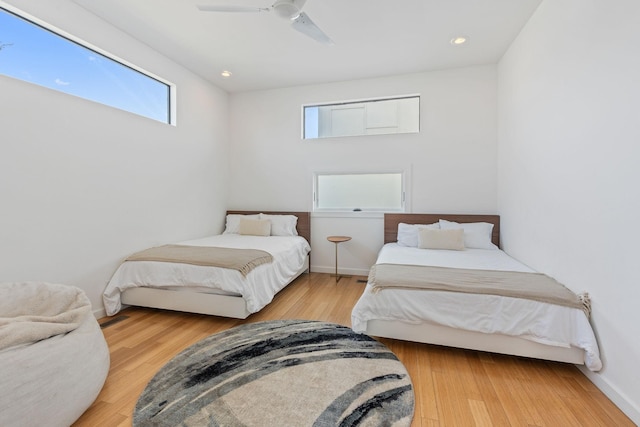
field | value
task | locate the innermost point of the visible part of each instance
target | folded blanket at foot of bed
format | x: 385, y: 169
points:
x: 243, y: 260
x: 515, y: 284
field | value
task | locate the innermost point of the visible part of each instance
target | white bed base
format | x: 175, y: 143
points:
x: 193, y: 302
x: 495, y: 343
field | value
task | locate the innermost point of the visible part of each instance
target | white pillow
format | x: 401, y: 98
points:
x: 254, y: 227
x: 232, y: 225
x: 282, y: 225
x: 452, y: 239
x: 408, y: 233
x: 476, y: 234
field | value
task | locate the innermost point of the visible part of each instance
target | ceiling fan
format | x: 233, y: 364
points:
x: 288, y: 9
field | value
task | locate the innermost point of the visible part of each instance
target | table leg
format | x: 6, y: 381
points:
x: 338, y: 276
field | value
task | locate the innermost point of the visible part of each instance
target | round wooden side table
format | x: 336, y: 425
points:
x: 336, y: 240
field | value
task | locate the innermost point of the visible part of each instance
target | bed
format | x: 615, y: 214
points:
x: 274, y: 248
x: 487, y: 321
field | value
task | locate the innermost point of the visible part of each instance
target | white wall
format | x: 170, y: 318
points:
x: 451, y: 162
x: 82, y: 185
x: 569, y: 156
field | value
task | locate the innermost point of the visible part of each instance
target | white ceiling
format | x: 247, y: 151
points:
x: 372, y: 38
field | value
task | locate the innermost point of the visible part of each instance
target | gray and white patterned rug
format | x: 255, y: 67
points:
x: 280, y: 373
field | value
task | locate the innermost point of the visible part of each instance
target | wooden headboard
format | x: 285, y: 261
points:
x: 391, y: 222
x: 304, y: 220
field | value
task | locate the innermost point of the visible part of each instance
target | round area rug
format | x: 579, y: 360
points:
x: 280, y: 373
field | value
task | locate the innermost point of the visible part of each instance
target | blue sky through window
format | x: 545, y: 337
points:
x: 34, y: 54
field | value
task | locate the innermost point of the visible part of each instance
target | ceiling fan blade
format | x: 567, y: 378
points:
x: 306, y: 26
x: 213, y: 8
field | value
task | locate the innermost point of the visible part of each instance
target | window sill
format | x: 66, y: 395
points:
x: 347, y: 214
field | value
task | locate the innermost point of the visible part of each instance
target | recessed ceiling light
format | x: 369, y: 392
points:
x: 457, y: 41
x: 225, y: 73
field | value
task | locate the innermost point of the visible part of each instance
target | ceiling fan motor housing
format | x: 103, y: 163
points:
x: 286, y: 9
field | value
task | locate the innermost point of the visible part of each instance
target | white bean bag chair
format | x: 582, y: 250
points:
x: 53, y: 356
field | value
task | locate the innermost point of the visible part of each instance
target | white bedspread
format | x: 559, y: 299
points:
x: 257, y: 288
x: 540, y: 322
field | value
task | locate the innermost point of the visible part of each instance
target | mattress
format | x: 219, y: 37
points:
x: 543, y: 323
x: 257, y: 288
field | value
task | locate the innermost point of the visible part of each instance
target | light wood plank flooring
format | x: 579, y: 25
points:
x: 453, y: 387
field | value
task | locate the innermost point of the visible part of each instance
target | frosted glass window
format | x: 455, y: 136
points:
x: 359, y: 192
x: 35, y: 54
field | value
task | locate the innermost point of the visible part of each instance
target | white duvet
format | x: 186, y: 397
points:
x: 257, y: 288
x: 540, y: 322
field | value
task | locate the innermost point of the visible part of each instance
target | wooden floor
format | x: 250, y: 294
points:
x: 452, y: 387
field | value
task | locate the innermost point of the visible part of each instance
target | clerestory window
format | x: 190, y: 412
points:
x: 38, y: 54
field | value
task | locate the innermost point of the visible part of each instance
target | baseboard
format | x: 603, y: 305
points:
x: 625, y: 404
x: 99, y: 313
x: 346, y: 271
